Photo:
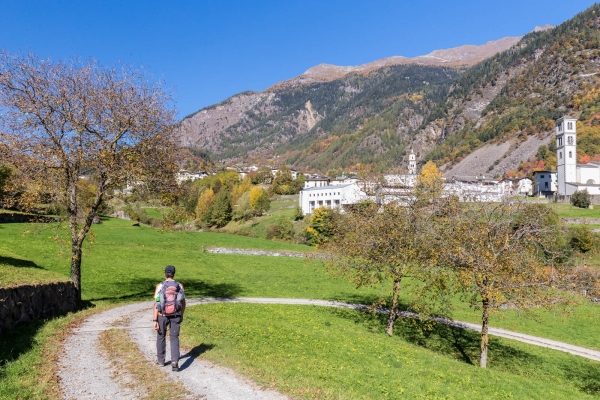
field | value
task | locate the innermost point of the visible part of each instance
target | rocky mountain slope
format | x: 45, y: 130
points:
x: 515, y: 96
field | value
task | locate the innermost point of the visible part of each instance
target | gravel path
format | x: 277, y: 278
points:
x: 85, y: 373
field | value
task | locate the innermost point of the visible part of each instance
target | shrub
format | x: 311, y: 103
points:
x: 581, y: 199
x: 284, y: 230
x: 321, y: 226
x: 298, y: 214
x: 582, y: 239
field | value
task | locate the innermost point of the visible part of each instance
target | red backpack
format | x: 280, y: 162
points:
x: 169, y: 298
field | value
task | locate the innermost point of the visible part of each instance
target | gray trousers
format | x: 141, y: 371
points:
x: 161, y: 345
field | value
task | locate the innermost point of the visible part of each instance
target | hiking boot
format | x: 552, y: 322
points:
x: 174, y: 367
x: 160, y: 364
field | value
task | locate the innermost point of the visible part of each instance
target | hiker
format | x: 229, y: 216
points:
x: 168, y: 311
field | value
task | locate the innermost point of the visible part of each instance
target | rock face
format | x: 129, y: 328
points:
x: 27, y: 302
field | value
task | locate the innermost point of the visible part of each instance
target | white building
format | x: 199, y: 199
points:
x: 184, y: 175
x: 316, y: 181
x: 572, y: 176
x: 330, y: 196
x: 476, y: 188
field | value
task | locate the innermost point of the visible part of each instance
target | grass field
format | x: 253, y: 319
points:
x: 124, y: 263
x: 282, y: 207
x: 313, y: 352
x: 18, y: 271
x: 570, y: 211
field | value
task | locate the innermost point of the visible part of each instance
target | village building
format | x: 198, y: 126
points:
x: 573, y: 177
x: 184, y: 175
x: 476, y: 188
x: 545, y: 183
x: 316, y: 181
x: 330, y: 196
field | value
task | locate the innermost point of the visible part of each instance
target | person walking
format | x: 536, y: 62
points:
x: 168, y: 312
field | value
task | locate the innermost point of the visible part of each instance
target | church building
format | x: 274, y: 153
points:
x: 572, y: 176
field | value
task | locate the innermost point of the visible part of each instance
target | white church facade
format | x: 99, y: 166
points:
x: 572, y: 176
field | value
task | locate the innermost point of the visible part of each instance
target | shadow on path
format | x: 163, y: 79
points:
x: 191, y: 355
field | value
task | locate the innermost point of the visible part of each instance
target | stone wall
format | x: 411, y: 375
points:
x: 594, y: 198
x: 24, y: 303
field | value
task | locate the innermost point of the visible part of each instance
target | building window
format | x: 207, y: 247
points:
x: 336, y: 202
x: 570, y: 125
x: 570, y: 154
x: 560, y: 141
x: 545, y: 185
x: 570, y: 139
x: 560, y: 155
x: 542, y: 176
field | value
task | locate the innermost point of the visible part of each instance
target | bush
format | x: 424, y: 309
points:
x: 137, y: 213
x: 284, y: 230
x: 298, y: 214
x: 321, y: 226
x: 581, y: 199
x: 582, y: 239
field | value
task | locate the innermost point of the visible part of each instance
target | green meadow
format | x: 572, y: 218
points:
x: 330, y: 353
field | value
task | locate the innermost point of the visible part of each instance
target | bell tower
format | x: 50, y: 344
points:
x: 412, y: 164
x: 566, y: 152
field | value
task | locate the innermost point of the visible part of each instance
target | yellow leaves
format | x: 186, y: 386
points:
x: 205, y: 201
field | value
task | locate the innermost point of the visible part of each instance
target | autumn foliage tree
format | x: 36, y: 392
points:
x: 502, y: 255
x: 385, y: 243
x: 61, y: 120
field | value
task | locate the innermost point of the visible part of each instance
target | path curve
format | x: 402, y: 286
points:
x: 84, y: 372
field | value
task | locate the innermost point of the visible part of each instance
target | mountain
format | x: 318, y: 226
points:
x: 499, y: 115
x: 493, y: 118
x: 351, y: 115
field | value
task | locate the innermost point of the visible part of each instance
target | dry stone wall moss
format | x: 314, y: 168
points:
x: 26, y: 302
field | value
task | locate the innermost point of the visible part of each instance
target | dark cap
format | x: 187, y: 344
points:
x: 170, y: 270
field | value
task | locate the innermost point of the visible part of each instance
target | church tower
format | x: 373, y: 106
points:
x: 412, y: 164
x: 566, y: 152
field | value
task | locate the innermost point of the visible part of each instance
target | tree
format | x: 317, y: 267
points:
x: 321, y: 226
x: 205, y: 202
x: 259, y: 200
x: 283, y: 182
x: 63, y: 119
x: 502, y: 255
x: 386, y: 243
x: 220, y: 213
x: 5, y: 174
x: 581, y: 199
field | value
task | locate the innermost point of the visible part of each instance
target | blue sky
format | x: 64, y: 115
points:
x: 206, y: 51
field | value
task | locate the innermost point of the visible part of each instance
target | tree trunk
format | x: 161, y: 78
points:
x: 76, y: 266
x: 484, y: 333
x: 394, y: 308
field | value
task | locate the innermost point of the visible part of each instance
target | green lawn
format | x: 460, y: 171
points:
x: 125, y: 262
x: 318, y: 352
x: 570, y: 211
x: 18, y: 271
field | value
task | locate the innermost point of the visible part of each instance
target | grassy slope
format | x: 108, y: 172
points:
x: 312, y: 352
x: 16, y: 271
x: 282, y: 207
x: 126, y: 262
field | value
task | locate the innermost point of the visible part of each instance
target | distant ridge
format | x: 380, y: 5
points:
x: 462, y: 56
